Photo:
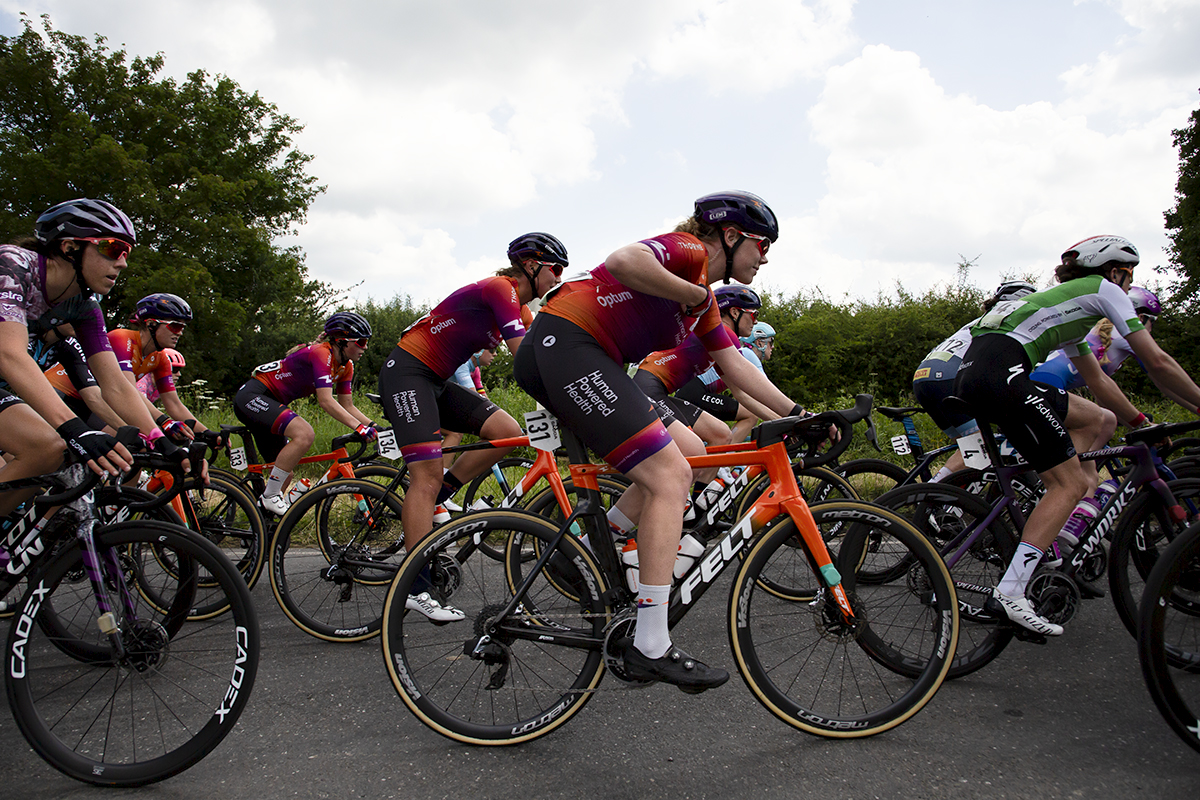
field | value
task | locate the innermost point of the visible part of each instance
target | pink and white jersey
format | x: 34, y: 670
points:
x: 476, y: 317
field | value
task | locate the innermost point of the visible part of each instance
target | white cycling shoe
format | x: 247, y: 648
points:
x: 1020, y: 611
x: 425, y: 604
x: 277, y: 504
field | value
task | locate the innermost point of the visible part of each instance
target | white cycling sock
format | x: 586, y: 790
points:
x: 942, y: 473
x: 275, y: 482
x: 652, y: 637
x: 1020, y: 570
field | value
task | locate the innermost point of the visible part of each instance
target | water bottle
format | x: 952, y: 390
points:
x: 1085, y: 511
x: 362, y: 506
x: 298, y: 488
x: 690, y: 548
x: 710, y: 494
x: 1106, y: 489
x: 629, y: 559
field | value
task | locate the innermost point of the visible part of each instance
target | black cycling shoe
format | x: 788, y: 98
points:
x: 674, y: 667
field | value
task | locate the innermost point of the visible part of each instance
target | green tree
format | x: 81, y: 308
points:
x: 206, y: 171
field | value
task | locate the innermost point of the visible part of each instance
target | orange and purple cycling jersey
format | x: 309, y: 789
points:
x: 301, y: 373
x: 629, y: 324
x: 476, y: 317
x: 677, y: 366
x: 127, y: 345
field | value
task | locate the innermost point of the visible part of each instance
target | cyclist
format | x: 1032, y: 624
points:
x: 65, y: 366
x: 1108, y: 346
x: 706, y: 391
x: 158, y: 321
x: 469, y: 375
x: 78, y: 250
x: 1047, y: 425
x: 761, y: 341
x: 933, y: 380
x: 419, y: 398
x: 147, y: 384
x: 646, y: 296
x: 325, y: 368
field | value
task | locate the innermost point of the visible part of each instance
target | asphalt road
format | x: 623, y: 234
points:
x: 1069, y: 719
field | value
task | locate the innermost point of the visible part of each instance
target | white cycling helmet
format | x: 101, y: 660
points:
x: 761, y: 330
x: 1102, y: 252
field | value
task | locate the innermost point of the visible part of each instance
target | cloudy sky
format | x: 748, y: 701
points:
x: 891, y: 138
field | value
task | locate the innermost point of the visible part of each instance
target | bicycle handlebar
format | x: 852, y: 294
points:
x: 808, y: 433
x: 341, y: 441
x: 1151, y: 434
x: 128, y: 436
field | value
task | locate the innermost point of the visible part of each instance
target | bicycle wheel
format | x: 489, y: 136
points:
x: 229, y: 518
x: 1139, y: 535
x: 871, y: 477
x: 333, y: 555
x: 800, y: 586
x: 1169, y: 635
x: 824, y: 676
x: 942, y: 513
x: 488, y: 489
x: 161, y: 705
x: 493, y: 679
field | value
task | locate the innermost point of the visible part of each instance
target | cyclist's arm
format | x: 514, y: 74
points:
x: 1107, y: 393
x: 750, y: 404
x: 333, y: 408
x: 739, y: 372
x: 1164, y: 370
x: 177, y: 410
x: 636, y: 267
x: 346, y: 401
x: 513, y: 343
x: 120, y: 392
x: 94, y: 398
x: 25, y: 377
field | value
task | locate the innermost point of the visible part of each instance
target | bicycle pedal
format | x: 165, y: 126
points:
x: 1026, y: 635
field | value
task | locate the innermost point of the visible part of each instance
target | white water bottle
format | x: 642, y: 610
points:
x: 1085, y: 511
x: 629, y: 559
x: 690, y: 548
x: 298, y: 488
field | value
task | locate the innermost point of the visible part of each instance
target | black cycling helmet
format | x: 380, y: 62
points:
x: 741, y: 210
x: 347, y: 325
x: 737, y: 296
x: 1012, y: 290
x: 83, y: 218
x: 541, y: 247
x: 162, y: 307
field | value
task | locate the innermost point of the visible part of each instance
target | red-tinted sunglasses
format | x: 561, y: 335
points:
x: 557, y: 269
x: 361, y: 342
x: 112, y: 249
x: 173, y: 327
x: 764, y: 244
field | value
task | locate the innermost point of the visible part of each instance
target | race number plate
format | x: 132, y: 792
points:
x: 971, y: 448
x: 543, y: 430
x: 900, y: 445
x: 237, y: 458
x: 387, y: 444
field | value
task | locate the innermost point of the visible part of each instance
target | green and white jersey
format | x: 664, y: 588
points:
x: 1061, y: 317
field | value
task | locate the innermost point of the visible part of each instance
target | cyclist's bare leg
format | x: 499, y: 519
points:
x: 632, y: 502
x: 425, y: 481
x: 743, y: 424
x: 300, y: 436
x: 1091, y: 427
x: 663, y: 480
x: 31, y: 448
x: 450, y: 439
x: 475, y: 462
x: 712, y: 430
